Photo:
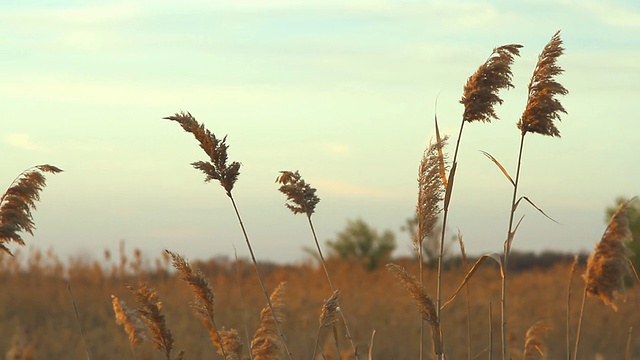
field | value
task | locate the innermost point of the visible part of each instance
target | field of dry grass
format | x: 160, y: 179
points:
x: 50, y: 309
x: 36, y: 308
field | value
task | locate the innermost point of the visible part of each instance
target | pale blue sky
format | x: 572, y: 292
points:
x: 342, y: 91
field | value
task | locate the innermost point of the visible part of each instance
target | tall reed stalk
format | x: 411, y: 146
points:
x: 431, y: 189
x: 226, y: 174
x: 538, y: 117
x: 302, y: 199
x: 480, y: 95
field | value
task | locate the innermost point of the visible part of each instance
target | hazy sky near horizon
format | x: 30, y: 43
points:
x: 344, y: 92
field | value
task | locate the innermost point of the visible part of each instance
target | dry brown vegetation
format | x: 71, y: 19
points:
x: 209, y: 309
x: 35, y: 305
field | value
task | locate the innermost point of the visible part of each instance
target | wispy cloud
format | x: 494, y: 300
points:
x: 335, y: 148
x: 22, y: 141
x: 351, y: 190
x: 609, y: 13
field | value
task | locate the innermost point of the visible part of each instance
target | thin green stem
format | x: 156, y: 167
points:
x: 75, y: 311
x: 326, y: 271
x: 260, y: 279
x: 507, y: 249
x: 584, y: 300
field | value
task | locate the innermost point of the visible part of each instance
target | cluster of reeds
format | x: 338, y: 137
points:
x: 435, y: 187
x: 604, y: 277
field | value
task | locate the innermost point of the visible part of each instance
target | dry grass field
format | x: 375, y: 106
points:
x: 333, y: 309
x: 36, y: 308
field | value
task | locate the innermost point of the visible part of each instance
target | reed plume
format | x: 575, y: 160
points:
x: 128, y: 318
x: 301, y: 197
x: 328, y: 318
x: 534, y: 345
x: 542, y: 106
x: 430, y: 191
x: 609, y: 263
x: 480, y: 93
x: 266, y: 344
x: 217, y: 168
x: 227, y: 174
x: 423, y: 302
x: 204, y: 303
x: 18, y: 201
x: 230, y: 341
x: 150, y: 311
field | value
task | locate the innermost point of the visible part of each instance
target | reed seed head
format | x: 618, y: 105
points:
x: 149, y: 310
x: 609, y: 263
x: 480, y: 93
x: 267, y: 343
x: 17, y: 202
x: 216, y: 168
x: 430, y: 191
x: 232, y: 344
x: 424, y: 303
x: 301, y: 197
x: 128, y: 318
x: 204, y: 303
x: 534, y: 345
x: 542, y: 106
x: 330, y: 308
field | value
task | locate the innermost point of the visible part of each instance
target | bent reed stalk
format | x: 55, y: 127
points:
x: 302, y: 199
x: 538, y: 117
x: 480, y: 95
x: 226, y: 174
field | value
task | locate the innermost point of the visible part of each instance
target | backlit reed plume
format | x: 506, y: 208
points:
x: 609, y: 263
x: 132, y: 324
x: 542, y: 106
x: 328, y: 319
x: 230, y: 341
x: 423, y: 301
x: 431, y: 190
x: 227, y: 174
x: 216, y: 168
x: 302, y: 199
x: 266, y: 344
x: 150, y: 311
x: 17, y: 202
x: 480, y: 93
x: 204, y: 303
x: 534, y: 344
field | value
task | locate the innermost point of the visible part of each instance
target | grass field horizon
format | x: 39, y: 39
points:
x: 38, y: 311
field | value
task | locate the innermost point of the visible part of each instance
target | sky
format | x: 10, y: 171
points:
x: 344, y: 92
